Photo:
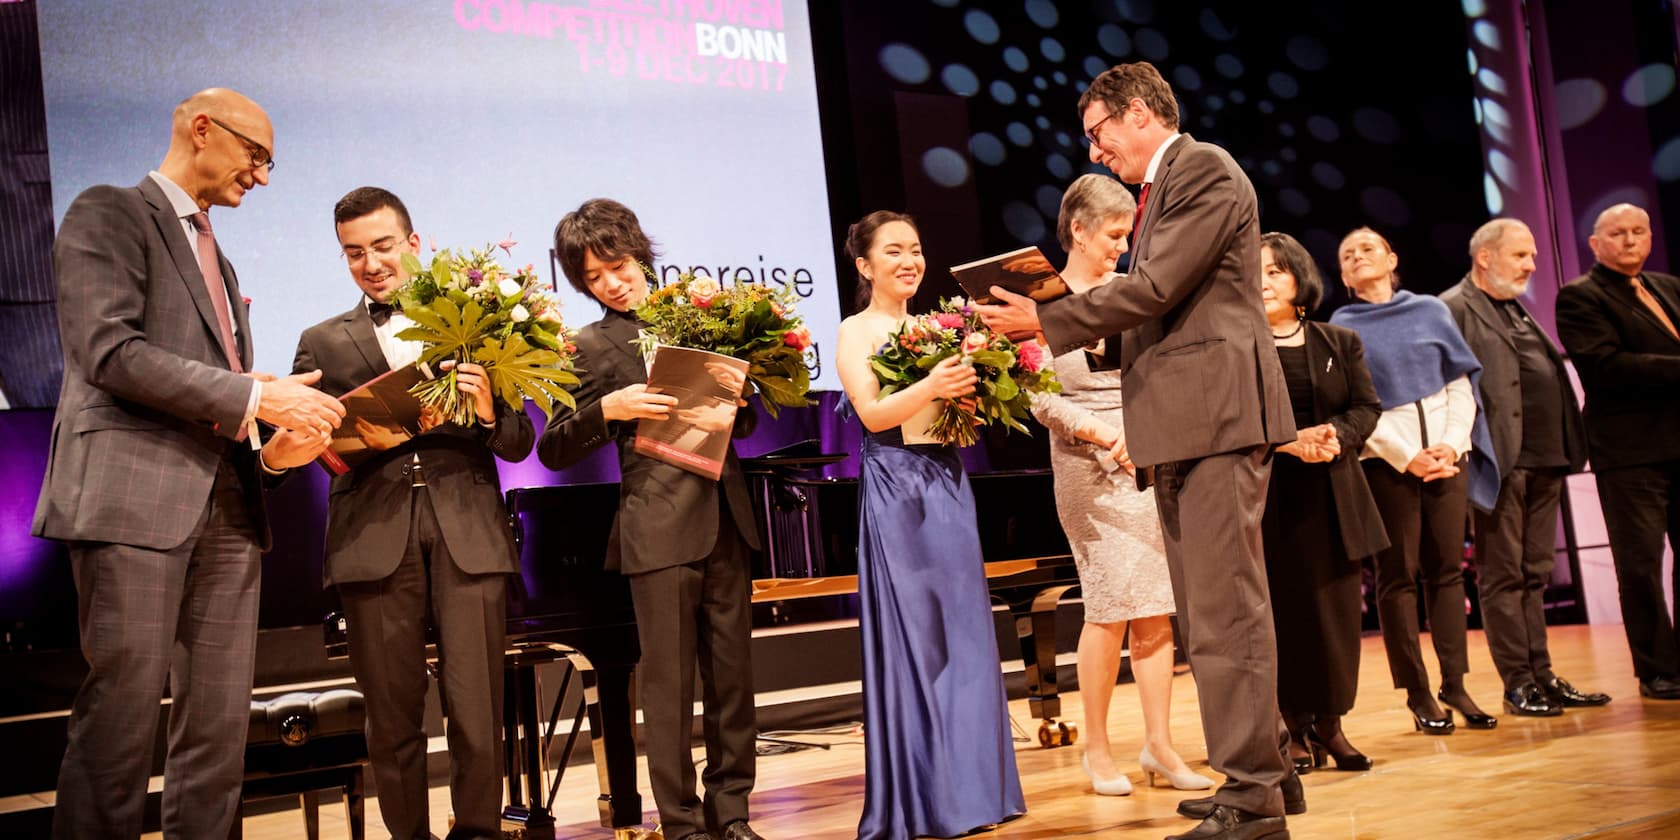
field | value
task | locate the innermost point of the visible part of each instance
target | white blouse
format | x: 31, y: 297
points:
x: 1447, y: 417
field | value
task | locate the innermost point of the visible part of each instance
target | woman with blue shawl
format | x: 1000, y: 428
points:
x: 1428, y: 457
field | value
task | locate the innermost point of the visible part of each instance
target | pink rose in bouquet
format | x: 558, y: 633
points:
x: 701, y: 291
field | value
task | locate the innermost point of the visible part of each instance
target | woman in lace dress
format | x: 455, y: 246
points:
x: 1111, y: 525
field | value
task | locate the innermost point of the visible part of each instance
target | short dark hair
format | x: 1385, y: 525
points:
x: 861, y: 235
x: 608, y: 229
x: 361, y: 201
x: 1292, y: 257
x: 1117, y: 86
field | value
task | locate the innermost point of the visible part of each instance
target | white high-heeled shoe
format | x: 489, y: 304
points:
x: 1188, y: 780
x: 1117, y: 786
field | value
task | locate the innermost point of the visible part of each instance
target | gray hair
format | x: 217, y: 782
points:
x: 1489, y: 235
x: 1091, y: 200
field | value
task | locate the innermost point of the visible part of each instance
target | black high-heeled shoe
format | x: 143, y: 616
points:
x: 1474, y: 717
x: 1352, y: 761
x: 1303, y: 763
x: 1432, y: 726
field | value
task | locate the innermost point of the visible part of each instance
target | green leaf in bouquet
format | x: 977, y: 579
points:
x: 445, y: 327
x: 519, y: 371
x: 1000, y: 359
x: 440, y: 270
x: 411, y: 264
x: 1005, y: 388
x: 886, y: 373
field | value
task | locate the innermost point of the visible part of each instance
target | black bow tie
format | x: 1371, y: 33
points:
x: 381, y: 312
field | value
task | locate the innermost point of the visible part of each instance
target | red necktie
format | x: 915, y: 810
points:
x: 212, y: 271
x: 1143, y: 199
x: 1650, y: 301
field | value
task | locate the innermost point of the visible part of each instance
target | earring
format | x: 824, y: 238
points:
x: 1300, y: 313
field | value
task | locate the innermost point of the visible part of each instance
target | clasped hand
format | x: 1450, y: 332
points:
x: 1434, y: 463
x: 1314, y: 444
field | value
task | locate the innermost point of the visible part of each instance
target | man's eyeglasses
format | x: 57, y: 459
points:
x: 259, y: 155
x: 381, y: 249
x: 1091, y: 133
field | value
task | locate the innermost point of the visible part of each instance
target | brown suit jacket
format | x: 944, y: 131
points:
x: 149, y: 409
x: 368, y: 508
x: 1200, y: 373
x: 667, y: 516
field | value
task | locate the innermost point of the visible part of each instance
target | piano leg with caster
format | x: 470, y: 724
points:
x: 533, y: 818
x: 1035, y: 626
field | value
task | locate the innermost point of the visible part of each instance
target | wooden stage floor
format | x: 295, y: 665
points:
x: 1611, y: 772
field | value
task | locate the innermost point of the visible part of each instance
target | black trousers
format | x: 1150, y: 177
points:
x: 1426, y: 527
x: 698, y: 615
x: 185, y: 618
x: 388, y: 620
x: 1516, y: 548
x: 1210, y: 511
x: 1642, y: 504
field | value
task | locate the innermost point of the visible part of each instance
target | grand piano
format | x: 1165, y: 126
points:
x: 569, y: 608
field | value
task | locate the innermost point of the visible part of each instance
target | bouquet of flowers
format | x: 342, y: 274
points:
x: 1009, y: 373
x: 746, y: 320
x: 468, y: 308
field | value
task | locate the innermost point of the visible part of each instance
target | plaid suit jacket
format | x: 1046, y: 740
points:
x: 149, y: 408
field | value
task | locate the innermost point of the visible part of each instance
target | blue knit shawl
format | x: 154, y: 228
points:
x: 1413, y: 349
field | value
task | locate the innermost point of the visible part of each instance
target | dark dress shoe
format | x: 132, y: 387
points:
x: 1660, y: 688
x: 1561, y: 693
x: 739, y: 830
x: 1294, y: 801
x: 1474, y: 717
x: 1527, y: 700
x: 1228, y: 823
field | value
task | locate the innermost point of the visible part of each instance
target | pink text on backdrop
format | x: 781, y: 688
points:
x: 726, y: 43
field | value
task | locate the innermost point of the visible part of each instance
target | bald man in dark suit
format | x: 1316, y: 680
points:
x: 153, y: 478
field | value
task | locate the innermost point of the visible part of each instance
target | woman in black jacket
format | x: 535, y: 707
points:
x: 1320, y: 518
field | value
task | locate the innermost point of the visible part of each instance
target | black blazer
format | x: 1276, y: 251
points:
x: 368, y: 508
x: 1344, y: 397
x: 1489, y: 335
x: 1629, y: 365
x: 667, y: 516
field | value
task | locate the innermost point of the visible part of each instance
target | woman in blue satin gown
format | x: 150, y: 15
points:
x: 940, y: 761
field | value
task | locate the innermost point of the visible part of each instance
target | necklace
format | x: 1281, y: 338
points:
x: 1299, y: 325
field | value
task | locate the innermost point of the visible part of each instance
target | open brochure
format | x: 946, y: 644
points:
x: 1024, y: 272
x: 379, y: 415
x: 695, y: 434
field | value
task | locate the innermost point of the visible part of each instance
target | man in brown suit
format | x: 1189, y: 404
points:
x: 153, y: 478
x: 1205, y: 402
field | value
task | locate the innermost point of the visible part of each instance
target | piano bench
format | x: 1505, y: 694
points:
x: 304, y: 742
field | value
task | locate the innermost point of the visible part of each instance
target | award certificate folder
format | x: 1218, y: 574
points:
x: 1024, y: 272
x: 695, y: 433
x: 379, y: 415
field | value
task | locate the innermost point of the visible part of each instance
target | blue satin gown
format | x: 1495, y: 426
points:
x: 939, y: 759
